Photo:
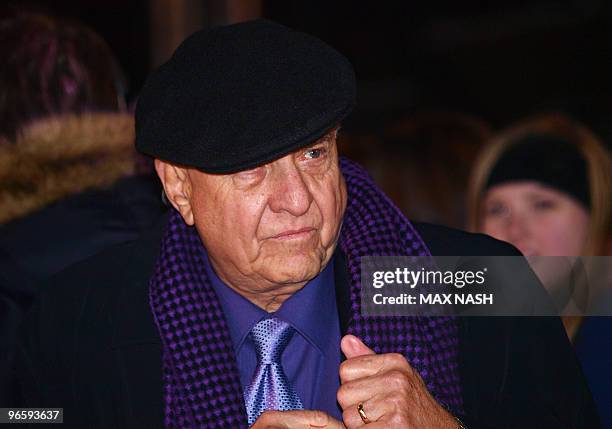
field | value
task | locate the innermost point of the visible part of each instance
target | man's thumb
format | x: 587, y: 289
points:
x: 352, y: 347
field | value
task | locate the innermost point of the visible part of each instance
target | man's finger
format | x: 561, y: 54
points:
x: 371, y: 365
x: 352, y: 347
x: 373, y: 408
x: 363, y: 389
x: 296, y: 419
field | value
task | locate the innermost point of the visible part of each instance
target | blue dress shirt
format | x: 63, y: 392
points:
x: 312, y: 358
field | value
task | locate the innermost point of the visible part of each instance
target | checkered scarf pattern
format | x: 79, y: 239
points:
x: 201, y: 378
x: 374, y: 226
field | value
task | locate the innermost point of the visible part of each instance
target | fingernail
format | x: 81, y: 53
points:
x: 354, y: 342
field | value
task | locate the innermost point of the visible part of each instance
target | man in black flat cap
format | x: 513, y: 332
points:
x: 242, y: 309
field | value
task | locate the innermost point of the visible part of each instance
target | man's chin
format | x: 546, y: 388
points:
x: 293, y: 269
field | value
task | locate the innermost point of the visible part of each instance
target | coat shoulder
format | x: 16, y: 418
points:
x: 92, y: 326
x: 87, y: 300
x: 121, y: 266
x: 500, y: 356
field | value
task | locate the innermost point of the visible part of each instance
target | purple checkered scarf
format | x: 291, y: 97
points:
x: 201, y: 377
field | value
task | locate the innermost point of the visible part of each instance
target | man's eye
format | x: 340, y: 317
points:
x: 314, y: 153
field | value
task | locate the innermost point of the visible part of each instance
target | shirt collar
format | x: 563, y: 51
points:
x: 310, y: 310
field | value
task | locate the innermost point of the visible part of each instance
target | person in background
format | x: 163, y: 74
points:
x: 544, y: 185
x: 67, y: 183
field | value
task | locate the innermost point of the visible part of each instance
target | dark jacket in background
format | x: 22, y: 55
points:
x: 73, y: 229
x: 68, y: 190
x: 90, y: 345
x: 66, y: 193
x: 41, y: 244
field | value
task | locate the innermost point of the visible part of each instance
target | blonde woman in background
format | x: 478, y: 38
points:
x: 544, y: 185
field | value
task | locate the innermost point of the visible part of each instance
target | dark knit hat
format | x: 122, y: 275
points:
x: 238, y: 96
x: 548, y: 160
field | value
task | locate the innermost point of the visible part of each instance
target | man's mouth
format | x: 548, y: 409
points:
x: 292, y: 234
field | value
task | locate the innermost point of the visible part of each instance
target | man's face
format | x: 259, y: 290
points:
x: 274, y: 225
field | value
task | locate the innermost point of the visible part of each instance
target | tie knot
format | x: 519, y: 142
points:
x: 270, y: 337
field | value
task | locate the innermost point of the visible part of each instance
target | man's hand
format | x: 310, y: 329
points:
x: 391, y: 391
x: 299, y: 419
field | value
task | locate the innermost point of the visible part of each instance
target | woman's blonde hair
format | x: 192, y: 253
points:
x: 599, y: 170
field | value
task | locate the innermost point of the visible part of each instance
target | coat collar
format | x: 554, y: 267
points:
x: 61, y: 156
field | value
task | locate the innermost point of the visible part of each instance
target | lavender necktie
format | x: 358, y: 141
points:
x: 270, y: 389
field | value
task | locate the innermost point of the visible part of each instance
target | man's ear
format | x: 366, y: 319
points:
x: 177, y: 187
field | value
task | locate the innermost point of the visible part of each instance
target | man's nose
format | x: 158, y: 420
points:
x: 290, y: 192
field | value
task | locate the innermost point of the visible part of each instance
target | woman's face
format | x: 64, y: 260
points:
x: 537, y: 219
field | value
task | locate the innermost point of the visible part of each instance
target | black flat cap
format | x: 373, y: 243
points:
x: 238, y: 96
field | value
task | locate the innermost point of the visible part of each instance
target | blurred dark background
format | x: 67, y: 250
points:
x: 484, y: 64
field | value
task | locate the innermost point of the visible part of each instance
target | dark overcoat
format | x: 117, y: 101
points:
x: 90, y: 345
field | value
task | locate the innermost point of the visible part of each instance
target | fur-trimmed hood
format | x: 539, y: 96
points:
x: 56, y: 157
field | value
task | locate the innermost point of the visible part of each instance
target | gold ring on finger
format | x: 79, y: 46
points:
x: 362, y: 413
